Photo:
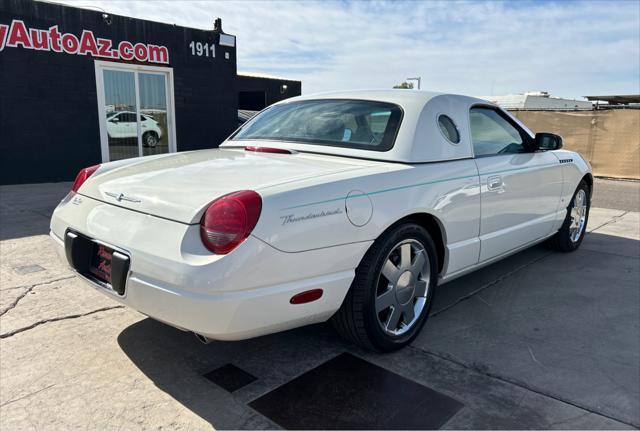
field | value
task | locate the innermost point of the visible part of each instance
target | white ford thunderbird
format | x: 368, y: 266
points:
x: 352, y: 206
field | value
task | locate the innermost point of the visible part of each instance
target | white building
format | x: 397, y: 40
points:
x: 538, y: 100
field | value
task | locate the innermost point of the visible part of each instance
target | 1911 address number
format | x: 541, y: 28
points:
x: 202, y: 49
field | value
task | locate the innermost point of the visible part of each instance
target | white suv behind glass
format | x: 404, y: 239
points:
x: 123, y: 124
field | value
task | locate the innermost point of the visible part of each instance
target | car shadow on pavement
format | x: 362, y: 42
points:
x: 495, y: 306
x: 176, y: 363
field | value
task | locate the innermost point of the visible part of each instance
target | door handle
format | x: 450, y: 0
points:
x: 494, y: 182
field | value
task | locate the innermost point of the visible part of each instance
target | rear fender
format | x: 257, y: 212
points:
x: 358, y: 209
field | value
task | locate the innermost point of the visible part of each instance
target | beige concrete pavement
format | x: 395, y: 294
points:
x: 72, y: 358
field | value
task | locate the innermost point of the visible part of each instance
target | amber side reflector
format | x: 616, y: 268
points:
x: 304, y: 297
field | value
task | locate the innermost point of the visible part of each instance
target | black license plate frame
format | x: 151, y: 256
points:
x: 86, y: 254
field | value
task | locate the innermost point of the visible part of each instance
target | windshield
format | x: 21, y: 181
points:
x: 357, y: 124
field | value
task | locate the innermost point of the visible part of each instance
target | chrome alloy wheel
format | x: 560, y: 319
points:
x: 578, y: 215
x: 402, y: 286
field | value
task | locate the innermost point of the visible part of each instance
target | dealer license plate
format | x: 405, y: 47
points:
x: 101, y: 263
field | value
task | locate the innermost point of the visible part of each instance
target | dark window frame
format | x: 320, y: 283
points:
x: 128, y: 115
x: 383, y: 147
x: 527, y: 140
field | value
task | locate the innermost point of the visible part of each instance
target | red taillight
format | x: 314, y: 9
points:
x: 229, y: 220
x: 82, y: 176
x: 268, y: 150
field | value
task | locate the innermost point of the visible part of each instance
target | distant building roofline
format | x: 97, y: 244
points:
x: 98, y: 9
x: 616, y: 99
x: 265, y: 76
x: 537, y: 101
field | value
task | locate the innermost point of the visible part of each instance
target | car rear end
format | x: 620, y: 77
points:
x: 194, y: 262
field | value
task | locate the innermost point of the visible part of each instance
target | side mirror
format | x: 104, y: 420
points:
x: 548, y: 141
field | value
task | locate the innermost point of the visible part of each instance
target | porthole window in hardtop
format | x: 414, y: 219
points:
x: 448, y: 129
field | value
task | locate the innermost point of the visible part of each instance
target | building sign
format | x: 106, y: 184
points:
x: 18, y: 35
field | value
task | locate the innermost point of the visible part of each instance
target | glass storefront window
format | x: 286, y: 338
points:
x: 153, y: 109
x: 120, y: 109
x: 135, y: 106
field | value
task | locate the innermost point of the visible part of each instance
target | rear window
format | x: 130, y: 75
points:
x: 360, y: 124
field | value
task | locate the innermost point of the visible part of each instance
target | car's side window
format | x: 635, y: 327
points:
x: 492, y: 134
x: 128, y: 118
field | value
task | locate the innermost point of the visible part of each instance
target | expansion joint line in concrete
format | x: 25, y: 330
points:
x: 56, y: 319
x: 608, y: 222
x: 490, y: 284
x: 26, y: 292
x: 521, y: 385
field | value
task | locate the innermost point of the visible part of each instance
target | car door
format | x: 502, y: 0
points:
x: 520, y: 188
x: 128, y: 125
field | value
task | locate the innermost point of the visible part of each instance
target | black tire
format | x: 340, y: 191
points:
x: 357, y: 320
x: 562, y: 240
x: 150, y: 139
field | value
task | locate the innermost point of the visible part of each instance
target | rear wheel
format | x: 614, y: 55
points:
x: 391, y: 294
x: 572, y: 232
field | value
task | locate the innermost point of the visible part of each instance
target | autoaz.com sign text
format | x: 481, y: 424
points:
x: 18, y: 35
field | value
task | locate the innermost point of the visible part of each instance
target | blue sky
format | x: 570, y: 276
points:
x: 569, y: 48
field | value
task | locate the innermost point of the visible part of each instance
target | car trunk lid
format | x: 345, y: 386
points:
x: 179, y: 186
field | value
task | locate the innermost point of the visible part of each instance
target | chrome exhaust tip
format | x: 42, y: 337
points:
x: 202, y: 338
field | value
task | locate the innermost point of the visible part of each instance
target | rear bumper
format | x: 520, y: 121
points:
x: 240, y: 295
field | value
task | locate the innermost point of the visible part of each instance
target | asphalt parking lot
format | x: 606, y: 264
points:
x: 539, y: 340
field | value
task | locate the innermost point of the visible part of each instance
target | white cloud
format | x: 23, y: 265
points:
x: 569, y: 48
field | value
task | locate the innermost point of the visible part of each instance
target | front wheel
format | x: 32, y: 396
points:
x: 391, y: 294
x: 572, y: 232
